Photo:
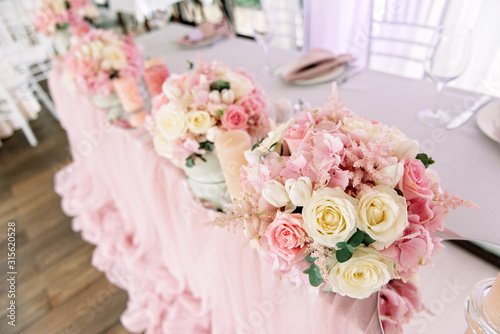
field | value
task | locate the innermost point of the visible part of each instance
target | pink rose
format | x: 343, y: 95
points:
x: 414, y: 183
x: 251, y: 104
x: 295, y: 136
x: 286, y: 236
x: 235, y: 118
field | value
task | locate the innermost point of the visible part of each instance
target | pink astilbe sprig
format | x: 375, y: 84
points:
x: 362, y: 160
x: 446, y: 200
x: 51, y: 15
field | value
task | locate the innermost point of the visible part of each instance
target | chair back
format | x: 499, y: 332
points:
x: 401, y: 32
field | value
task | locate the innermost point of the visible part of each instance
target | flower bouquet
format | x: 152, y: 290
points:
x: 339, y: 202
x: 103, y: 63
x: 63, y: 18
x: 197, y: 106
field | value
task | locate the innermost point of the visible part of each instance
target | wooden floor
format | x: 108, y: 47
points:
x: 57, y: 289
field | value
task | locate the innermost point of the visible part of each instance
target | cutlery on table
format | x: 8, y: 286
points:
x: 463, y: 117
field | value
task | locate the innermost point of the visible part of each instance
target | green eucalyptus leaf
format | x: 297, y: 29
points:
x: 315, y: 278
x: 310, y: 259
x: 189, y: 162
x: 343, y: 255
x: 350, y: 249
x: 400, y: 193
x: 342, y: 244
x: 368, y: 240
x: 190, y: 64
x: 220, y: 112
x: 356, y: 239
x: 426, y: 160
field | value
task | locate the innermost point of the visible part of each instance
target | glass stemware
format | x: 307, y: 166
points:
x: 264, y: 24
x: 445, y: 61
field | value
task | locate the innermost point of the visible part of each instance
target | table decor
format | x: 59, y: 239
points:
x: 61, y: 19
x: 339, y: 202
x: 107, y: 67
x: 483, y: 307
x: 155, y: 74
x: 197, y: 106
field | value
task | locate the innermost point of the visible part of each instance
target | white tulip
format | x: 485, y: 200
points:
x: 299, y: 190
x: 275, y: 193
x: 227, y: 96
x: 171, y: 91
x: 215, y: 97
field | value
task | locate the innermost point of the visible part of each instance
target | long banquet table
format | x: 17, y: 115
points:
x: 185, y: 277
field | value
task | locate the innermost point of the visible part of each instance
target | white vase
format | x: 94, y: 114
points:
x: 62, y: 41
x: 106, y: 102
x: 206, y: 180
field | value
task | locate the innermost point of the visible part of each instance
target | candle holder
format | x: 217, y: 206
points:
x: 475, y: 313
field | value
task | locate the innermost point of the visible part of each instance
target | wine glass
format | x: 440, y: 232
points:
x: 264, y: 24
x: 445, y: 61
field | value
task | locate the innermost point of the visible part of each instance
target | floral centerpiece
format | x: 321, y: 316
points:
x: 62, y: 18
x: 197, y: 105
x: 340, y: 202
x: 100, y: 56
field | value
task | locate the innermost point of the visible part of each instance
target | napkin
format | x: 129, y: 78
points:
x: 206, y: 30
x: 315, y: 63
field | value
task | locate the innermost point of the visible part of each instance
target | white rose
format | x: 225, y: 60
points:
x: 227, y: 96
x: 401, y: 146
x: 366, y: 272
x: 361, y: 128
x: 170, y: 122
x: 171, y: 91
x: 299, y: 190
x: 115, y: 56
x: 212, y: 133
x: 239, y: 84
x: 275, y: 193
x: 330, y: 216
x: 382, y: 215
x: 392, y: 173
x: 199, y: 121
x: 163, y: 147
x: 215, y: 97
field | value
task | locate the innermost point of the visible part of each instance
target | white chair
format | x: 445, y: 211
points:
x: 9, y: 111
x: 400, y: 33
x: 25, y: 49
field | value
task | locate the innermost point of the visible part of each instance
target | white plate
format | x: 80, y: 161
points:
x: 202, y: 43
x: 326, y: 77
x: 486, y: 118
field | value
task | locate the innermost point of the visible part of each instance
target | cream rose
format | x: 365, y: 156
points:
x: 382, y: 215
x: 239, y: 84
x: 361, y: 129
x: 366, y: 272
x: 330, y: 216
x: 199, y: 121
x: 275, y: 193
x: 170, y: 122
x: 115, y: 56
x: 392, y: 173
x: 163, y: 147
x: 299, y: 190
x: 401, y: 146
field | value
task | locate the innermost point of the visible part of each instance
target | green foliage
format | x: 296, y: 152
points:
x: 190, y: 161
x: 62, y: 26
x: 247, y: 3
x: 207, y: 146
x: 346, y: 249
x: 219, y: 85
x: 426, y: 160
x: 315, y: 278
x: 220, y: 112
x: 400, y: 193
x: 190, y: 64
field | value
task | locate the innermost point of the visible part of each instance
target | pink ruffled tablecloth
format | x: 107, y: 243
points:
x: 150, y: 237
